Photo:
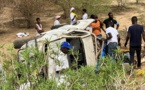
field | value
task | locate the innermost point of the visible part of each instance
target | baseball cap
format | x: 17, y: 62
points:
x: 66, y: 45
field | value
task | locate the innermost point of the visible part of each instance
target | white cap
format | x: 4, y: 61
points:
x: 57, y: 17
x: 72, y: 9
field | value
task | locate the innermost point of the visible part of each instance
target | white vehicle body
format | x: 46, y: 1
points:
x: 65, y: 33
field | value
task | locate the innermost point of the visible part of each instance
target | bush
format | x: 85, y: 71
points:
x: 93, y: 7
x: 28, y: 8
x: 112, y: 76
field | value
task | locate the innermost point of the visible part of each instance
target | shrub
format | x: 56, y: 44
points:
x: 28, y: 8
x: 93, y: 7
x: 112, y: 76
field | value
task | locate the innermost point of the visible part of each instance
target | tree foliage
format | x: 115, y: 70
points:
x: 29, y: 7
x: 95, y: 6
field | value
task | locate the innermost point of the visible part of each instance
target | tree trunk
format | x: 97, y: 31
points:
x: 137, y: 1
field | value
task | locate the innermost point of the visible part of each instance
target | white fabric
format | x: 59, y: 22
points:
x: 22, y: 34
x: 57, y: 17
x: 74, y: 20
x: 85, y: 16
x: 114, y: 34
x: 58, y: 62
x: 63, y: 61
x: 89, y: 29
x: 72, y: 9
x: 56, y: 22
x: 39, y: 28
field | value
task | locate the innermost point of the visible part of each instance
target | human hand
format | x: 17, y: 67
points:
x: 103, y: 39
x: 125, y: 44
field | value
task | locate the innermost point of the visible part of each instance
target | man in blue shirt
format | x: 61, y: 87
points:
x: 135, y: 34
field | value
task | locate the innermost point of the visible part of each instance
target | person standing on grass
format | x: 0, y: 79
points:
x: 57, y: 22
x: 113, y: 40
x: 85, y: 15
x: 135, y: 35
x: 38, y: 27
x: 111, y: 19
x: 73, y: 16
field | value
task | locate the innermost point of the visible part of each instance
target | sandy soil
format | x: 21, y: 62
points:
x: 8, y: 34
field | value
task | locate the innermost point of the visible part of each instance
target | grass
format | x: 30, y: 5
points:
x: 112, y: 76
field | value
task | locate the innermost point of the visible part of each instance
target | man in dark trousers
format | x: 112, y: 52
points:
x: 111, y: 19
x: 135, y: 34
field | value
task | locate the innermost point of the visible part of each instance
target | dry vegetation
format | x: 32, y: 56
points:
x: 19, y: 16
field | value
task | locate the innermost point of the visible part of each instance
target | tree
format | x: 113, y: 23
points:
x: 121, y: 2
x: 137, y: 1
x: 28, y: 8
x: 94, y: 6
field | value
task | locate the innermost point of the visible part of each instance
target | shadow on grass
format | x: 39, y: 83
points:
x: 120, y: 9
x: 137, y: 4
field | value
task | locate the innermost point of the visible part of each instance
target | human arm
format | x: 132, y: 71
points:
x: 39, y: 28
x: 143, y: 36
x: 117, y: 24
x: 74, y: 17
x: 101, y: 26
x: 127, y: 38
x: 108, y: 36
x: 118, y: 37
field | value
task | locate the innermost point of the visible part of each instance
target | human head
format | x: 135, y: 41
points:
x: 96, y: 18
x: 92, y: 16
x: 65, y: 47
x: 38, y: 20
x: 134, y: 20
x: 110, y: 15
x: 84, y: 11
x: 57, y: 17
x: 72, y: 9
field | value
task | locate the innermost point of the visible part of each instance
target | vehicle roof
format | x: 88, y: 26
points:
x: 68, y: 31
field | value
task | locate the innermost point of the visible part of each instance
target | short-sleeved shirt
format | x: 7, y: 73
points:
x: 85, y: 16
x: 96, y: 27
x: 114, y: 34
x: 56, y: 22
x: 106, y: 22
x: 73, y: 18
x: 135, y: 34
x: 39, y: 28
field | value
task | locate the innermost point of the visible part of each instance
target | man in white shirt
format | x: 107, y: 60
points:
x: 58, y: 60
x: 57, y: 22
x: 65, y: 47
x: 85, y: 15
x: 73, y: 16
x: 113, y: 40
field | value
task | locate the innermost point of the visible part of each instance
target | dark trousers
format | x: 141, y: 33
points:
x: 136, y: 49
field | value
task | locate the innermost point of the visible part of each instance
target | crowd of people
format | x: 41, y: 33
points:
x: 110, y: 26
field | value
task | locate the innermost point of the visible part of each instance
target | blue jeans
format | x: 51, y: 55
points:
x: 99, y: 36
x: 111, y: 49
x: 101, y: 56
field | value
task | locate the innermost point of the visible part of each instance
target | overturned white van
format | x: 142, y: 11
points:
x: 74, y: 34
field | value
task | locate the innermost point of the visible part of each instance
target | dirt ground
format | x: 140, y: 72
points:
x: 122, y: 15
